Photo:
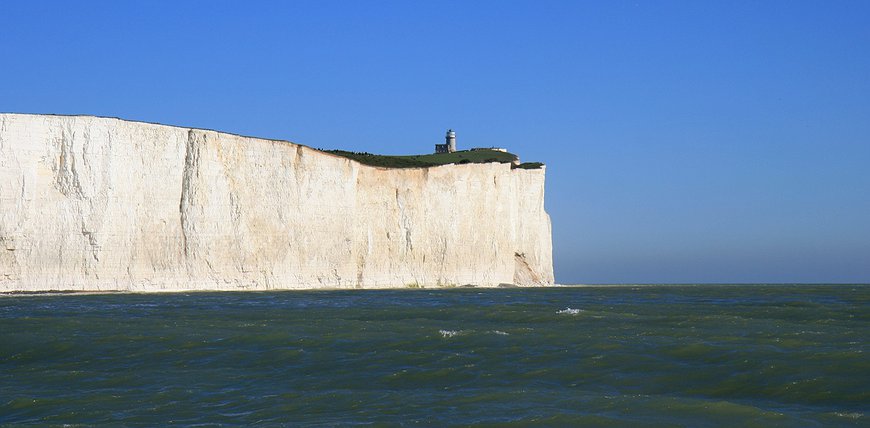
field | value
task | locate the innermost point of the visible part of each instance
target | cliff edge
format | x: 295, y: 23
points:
x: 102, y: 204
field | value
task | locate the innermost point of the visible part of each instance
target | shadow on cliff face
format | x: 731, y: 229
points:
x: 523, y: 272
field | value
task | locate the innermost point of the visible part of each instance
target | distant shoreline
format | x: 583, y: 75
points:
x: 477, y: 288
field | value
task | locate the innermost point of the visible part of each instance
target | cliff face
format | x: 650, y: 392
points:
x: 92, y: 203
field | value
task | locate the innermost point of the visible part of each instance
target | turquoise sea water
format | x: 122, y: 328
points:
x: 651, y: 355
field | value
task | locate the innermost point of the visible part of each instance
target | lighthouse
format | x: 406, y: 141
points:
x: 450, y: 144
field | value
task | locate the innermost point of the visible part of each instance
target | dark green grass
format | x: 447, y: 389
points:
x: 435, y: 159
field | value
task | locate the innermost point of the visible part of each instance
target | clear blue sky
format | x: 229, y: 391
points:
x: 684, y: 141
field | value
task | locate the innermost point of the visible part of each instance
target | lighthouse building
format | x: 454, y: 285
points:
x: 449, y: 146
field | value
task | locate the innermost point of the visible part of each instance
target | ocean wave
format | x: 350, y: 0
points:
x: 452, y: 333
x: 569, y: 311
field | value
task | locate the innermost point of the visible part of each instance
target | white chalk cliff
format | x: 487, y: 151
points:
x: 101, y: 204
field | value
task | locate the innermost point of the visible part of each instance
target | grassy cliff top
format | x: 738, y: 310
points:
x: 435, y: 159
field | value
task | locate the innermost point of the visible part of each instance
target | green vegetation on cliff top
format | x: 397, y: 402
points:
x: 435, y: 159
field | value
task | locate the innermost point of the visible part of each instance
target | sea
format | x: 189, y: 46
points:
x: 653, y: 355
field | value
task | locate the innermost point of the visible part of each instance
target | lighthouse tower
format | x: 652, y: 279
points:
x: 449, y: 146
x: 451, y: 141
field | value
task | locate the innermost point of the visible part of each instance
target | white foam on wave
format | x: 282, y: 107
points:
x: 569, y: 311
x: 452, y: 333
